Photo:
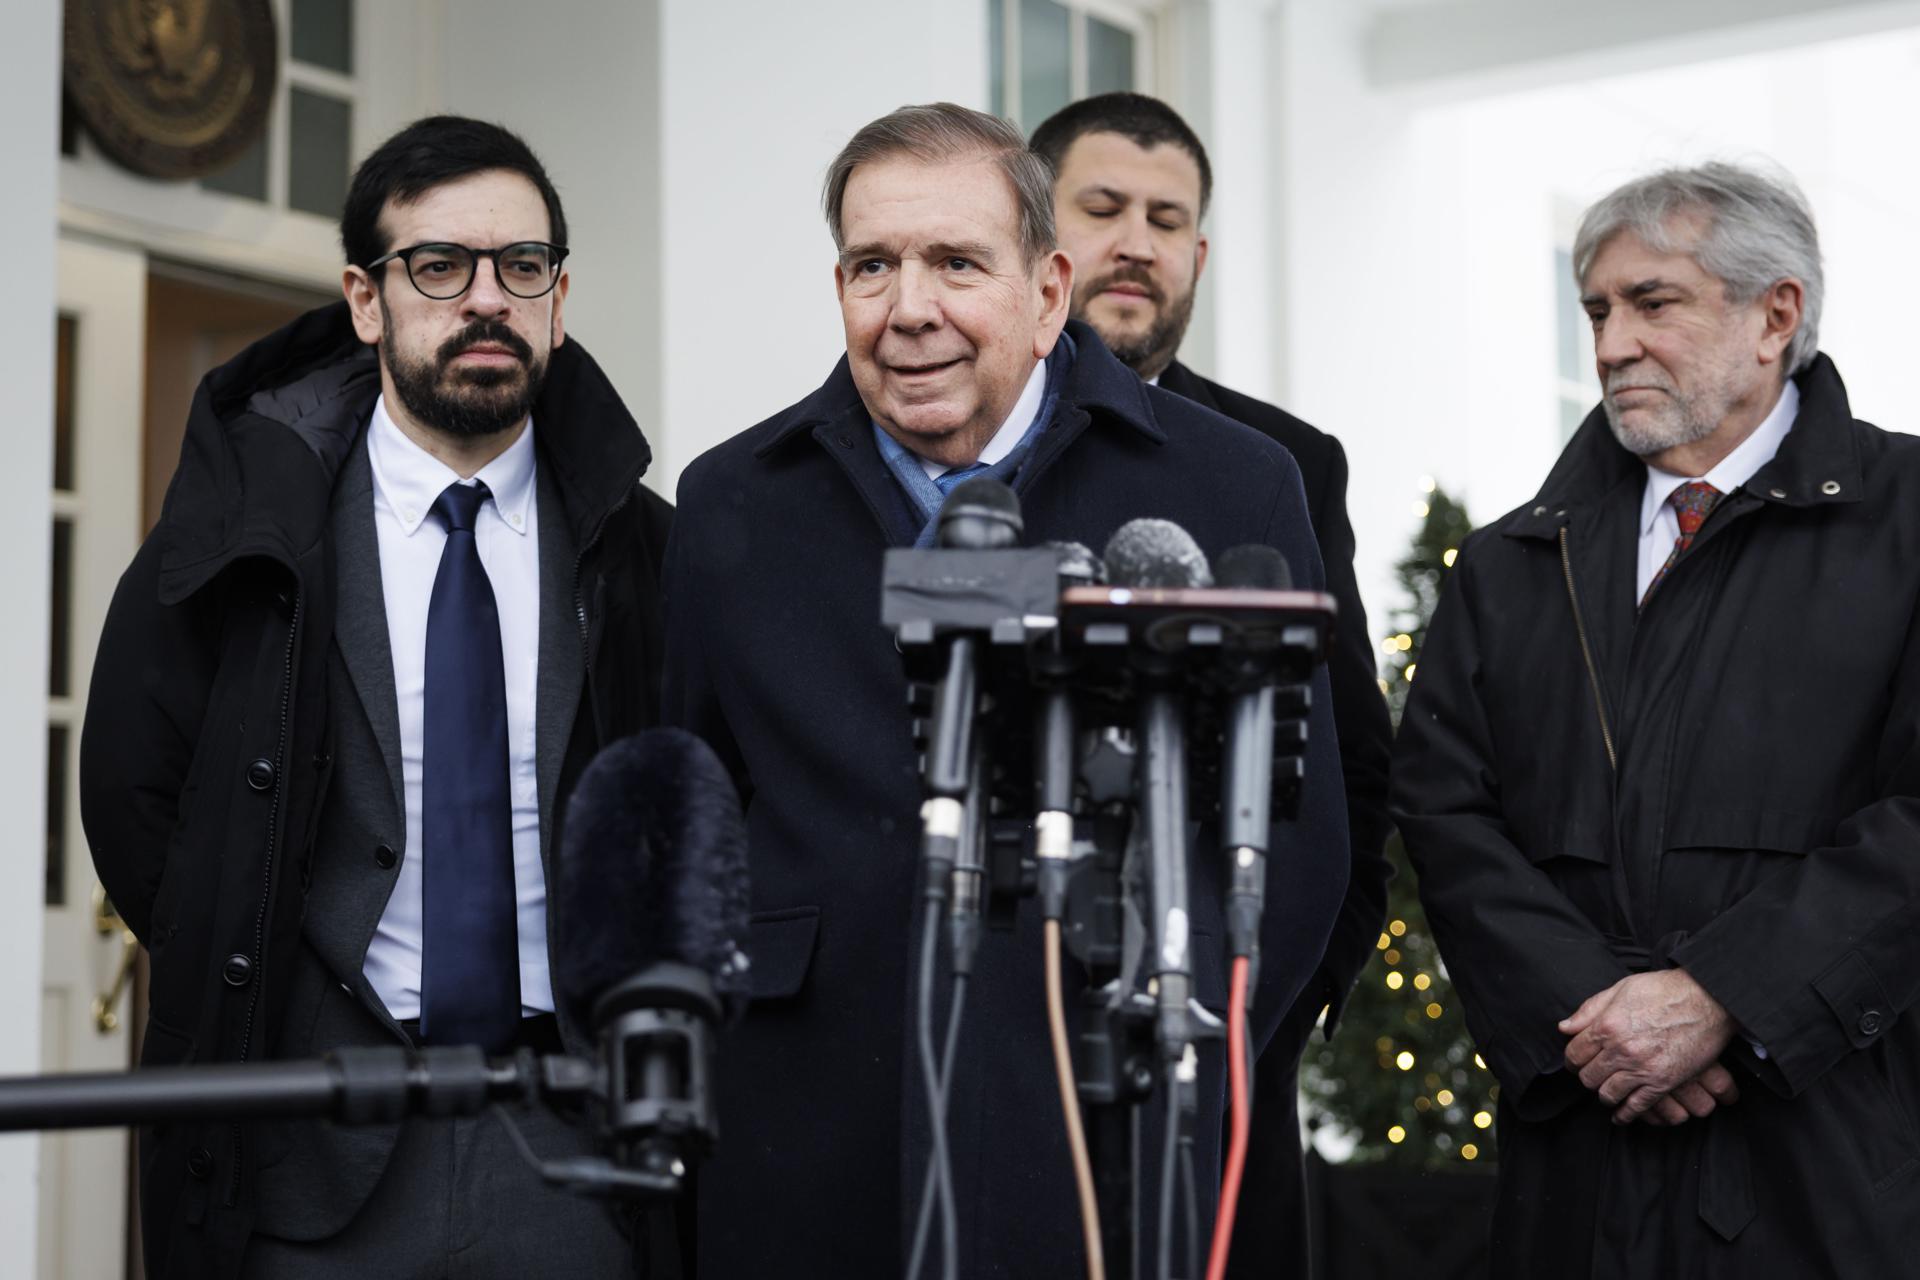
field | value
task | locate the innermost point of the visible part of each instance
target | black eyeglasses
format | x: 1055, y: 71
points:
x: 528, y: 269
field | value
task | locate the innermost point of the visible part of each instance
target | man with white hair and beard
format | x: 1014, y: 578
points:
x: 1660, y: 776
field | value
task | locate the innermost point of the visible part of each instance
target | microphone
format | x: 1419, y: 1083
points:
x: 1246, y: 774
x: 1155, y: 553
x: 1158, y: 553
x: 651, y: 903
x: 981, y: 514
x: 1056, y: 733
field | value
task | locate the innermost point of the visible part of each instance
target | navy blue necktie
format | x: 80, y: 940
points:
x: 470, y: 979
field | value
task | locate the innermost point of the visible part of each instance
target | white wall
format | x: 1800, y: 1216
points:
x: 588, y: 102
x: 29, y: 112
x: 756, y: 100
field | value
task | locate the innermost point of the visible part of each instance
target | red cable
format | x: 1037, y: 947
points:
x: 1237, y: 1143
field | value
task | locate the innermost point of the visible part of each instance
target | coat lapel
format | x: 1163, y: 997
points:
x: 360, y: 622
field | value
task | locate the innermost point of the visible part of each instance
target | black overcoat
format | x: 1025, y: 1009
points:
x: 1270, y: 1237
x: 1729, y: 784
x: 205, y: 756
x: 776, y: 654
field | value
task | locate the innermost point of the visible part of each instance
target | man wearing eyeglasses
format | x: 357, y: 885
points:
x: 404, y: 586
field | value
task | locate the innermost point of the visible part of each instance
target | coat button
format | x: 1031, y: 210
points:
x: 1777, y: 494
x: 1870, y: 1022
x: 199, y: 1162
x: 237, y: 970
x: 384, y: 856
x: 260, y: 774
x: 1830, y: 488
x: 1539, y: 511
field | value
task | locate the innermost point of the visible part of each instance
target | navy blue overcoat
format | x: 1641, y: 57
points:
x: 776, y: 655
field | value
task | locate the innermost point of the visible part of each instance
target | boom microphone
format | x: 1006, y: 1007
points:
x: 1256, y: 566
x: 1155, y: 553
x: 651, y: 903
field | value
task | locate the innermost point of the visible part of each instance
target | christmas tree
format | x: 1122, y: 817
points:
x: 1401, y: 1076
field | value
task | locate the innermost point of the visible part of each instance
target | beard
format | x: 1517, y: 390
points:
x: 1677, y: 419
x: 466, y: 403
x: 1152, y: 351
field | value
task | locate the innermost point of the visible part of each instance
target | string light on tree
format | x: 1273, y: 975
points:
x: 1401, y: 1075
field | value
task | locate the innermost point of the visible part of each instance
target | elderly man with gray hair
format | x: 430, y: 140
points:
x: 1660, y: 775
x: 960, y: 361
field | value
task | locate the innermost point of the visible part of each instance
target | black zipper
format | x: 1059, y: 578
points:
x: 266, y: 882
x: 580, y: 558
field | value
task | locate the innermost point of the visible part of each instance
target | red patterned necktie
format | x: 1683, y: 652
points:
x: 1691, y: 502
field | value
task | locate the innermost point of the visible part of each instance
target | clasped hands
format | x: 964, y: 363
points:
x: 1650, y: 1045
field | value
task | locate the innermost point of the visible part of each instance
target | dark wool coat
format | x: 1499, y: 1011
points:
x: 206, y: 753
x: 1730, y: 785
x: 1270, y: 1233
x: 776, y: 654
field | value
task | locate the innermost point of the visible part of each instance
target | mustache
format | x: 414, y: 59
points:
x: 1137, y: 276
x: 1621, y: 379
x: 490, y: 332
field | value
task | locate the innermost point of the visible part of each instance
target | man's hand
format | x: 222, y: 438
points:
x: 1648, y: 1036
x: 1694, y: 1100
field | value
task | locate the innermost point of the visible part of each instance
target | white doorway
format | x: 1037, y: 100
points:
x: 84, y: 1019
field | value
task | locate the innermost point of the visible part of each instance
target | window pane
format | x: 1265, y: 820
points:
x: 56, y: 815
x: 319, y: 147
x: 59, y: 664
x: 1567, y: 318
x: 997, y: 55
x: 1109, y: 57
x: 65, y: 330
x: 246, y: 176
x: 323, y: 33
x: 1045, y: 77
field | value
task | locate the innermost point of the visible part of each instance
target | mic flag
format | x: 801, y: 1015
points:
x: 1155, y: 553
x: 652, y: 868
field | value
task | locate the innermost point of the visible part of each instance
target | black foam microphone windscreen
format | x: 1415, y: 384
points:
x: 1078, y: 565
x: 1254, y: 565
x: 981, y: 514
x: 1155, y: 553
x: 652, y: 867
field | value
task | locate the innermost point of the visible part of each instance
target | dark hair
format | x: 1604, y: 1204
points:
x: 426, y: 154
x: 1143, y: 120
x: 938, y: 131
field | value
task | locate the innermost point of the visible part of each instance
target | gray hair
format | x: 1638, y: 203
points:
x: 943, y: 131
x: 1758, y: 231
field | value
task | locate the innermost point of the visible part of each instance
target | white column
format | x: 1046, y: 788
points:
x: 1350, y: 341
x: 29, y: 133
x: 1216, y: 74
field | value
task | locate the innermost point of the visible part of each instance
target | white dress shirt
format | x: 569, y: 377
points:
x: 406, y: 481
x: 1012, y: 431
x: 1660, y: 523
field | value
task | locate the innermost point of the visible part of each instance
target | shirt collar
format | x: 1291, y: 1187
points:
x: 1012, y: 431
x: 409, y: 479
x: 1736, y: 468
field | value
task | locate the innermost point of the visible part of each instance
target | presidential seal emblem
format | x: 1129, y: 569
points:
x: 171, y: 88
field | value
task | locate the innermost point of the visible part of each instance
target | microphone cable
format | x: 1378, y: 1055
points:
x: 1070, y: 1106
x: 940, y: 1166
x: 1239, y: 1062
